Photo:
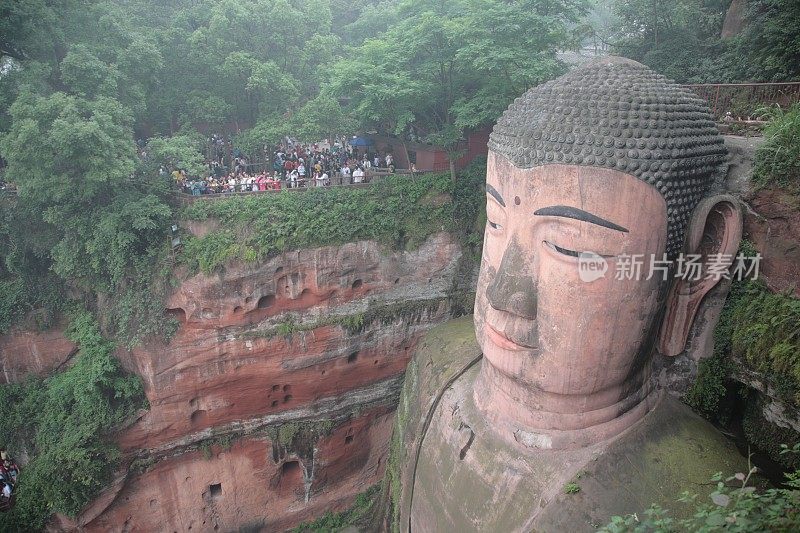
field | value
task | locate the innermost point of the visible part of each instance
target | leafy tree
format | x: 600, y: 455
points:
x: 64, y: 425
x: 770, y: 41
x: 321, y: 118
x: 448, y: 66
x: 72, y: 159
x: 67, y: 150
x: 682, y: 40
x: 94, y: 225
x: 373, y: 20
x: 178, y: 151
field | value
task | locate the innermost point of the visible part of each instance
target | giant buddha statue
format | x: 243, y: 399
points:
x: 552, y: 416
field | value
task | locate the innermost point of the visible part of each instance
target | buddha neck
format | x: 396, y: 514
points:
x: 543, y: 420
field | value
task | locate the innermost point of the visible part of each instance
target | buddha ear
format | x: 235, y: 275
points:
x: 713, y: 234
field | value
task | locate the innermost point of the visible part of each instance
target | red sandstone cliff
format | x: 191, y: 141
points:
x: 771, y: 217
x: 274, y: 401
x: 772, y: 223
x: 33, y: 352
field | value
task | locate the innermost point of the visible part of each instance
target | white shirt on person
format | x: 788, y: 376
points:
x: 358, y: 175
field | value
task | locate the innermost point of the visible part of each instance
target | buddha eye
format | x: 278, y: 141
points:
x: 494, y: 225
x: 562, y: 251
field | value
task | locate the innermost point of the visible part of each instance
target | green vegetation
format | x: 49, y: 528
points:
x: 446, y: 66
x: 767, y: 337
x: 398, y: 452
x: 355, y: 323
x: 708, y: 391
x: 572, y: 488
x: 393, y: 211
x: 757, y: 329
x: 360, y: 514
x: 299, y: 434
x: 206, y: 447
x: 735, y: 506
x: 767, y: 436
x: 681, y: 39
x: 760, y: 328
x: 398, y: 211
x: 81, y: 80
x: 777, y: 160
x: 141, y: 464
x: 85, y: 226
x: 64, y: 424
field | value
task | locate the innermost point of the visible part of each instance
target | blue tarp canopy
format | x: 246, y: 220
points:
x: 361, y: 141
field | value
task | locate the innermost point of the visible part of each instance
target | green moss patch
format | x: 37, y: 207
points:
x: 398, y: 211
x: 356, y: 322
x: 359, y: 515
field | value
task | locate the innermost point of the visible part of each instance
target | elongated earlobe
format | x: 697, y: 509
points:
x: 714, y: 234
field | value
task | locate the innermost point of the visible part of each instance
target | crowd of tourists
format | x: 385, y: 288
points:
x: 293, y: 166
x: 9, y: 472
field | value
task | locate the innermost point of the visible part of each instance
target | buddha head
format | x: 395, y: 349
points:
x: 589, y: 175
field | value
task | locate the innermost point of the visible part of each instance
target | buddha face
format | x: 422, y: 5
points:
x: 538, y: 320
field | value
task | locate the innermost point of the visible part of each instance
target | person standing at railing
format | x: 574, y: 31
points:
x: 358, y: 175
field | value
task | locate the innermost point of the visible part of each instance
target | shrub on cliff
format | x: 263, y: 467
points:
x: 758, y: 331
x: 398, y: 211
x: 63, y: 424
x: 767, y: 336
x: 81, y: 225
x: 733, y: 506
x: 777, y: 160
x: 761, y: 328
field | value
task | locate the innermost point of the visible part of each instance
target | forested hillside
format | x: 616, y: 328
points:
x: 82, y: 81
x: 689, y: 40
x: 98, y: 97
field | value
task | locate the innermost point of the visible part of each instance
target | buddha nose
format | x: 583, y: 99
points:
x: 513, y: 289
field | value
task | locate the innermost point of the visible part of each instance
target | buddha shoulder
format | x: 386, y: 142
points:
x: 451, y: 471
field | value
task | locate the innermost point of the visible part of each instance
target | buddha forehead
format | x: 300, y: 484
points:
x: 603, y: 197
x: 617, y: 114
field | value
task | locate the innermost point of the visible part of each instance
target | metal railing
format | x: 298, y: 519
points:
x: 742, y: 100
x: 336, y: 181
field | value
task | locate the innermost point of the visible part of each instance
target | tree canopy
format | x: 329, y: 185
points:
x: 682, y: 39
x: 81, y: 80
x: 447, y: 66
